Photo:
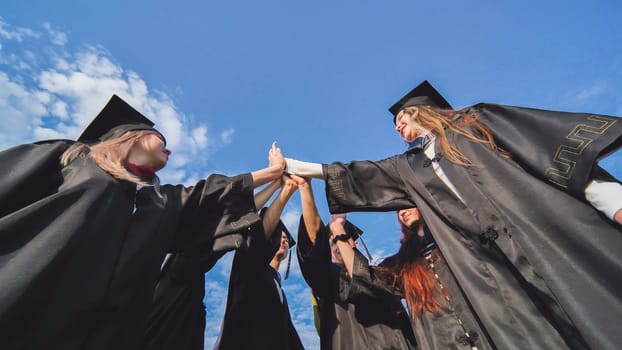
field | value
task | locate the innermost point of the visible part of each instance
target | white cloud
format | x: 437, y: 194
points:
x: 56, y: 37
x: 200, y: 136
x: 59, y: 108
x: 21, y: 111
x: 15, y: 33
x: 55, y: 93
x: 227, y: 136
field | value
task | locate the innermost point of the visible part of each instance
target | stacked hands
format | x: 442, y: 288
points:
x: 289, y: 182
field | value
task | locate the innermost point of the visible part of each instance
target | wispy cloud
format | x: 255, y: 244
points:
x: 56, y: 37
x: 598, y: 95
x: 590, y: 91
x: 15, y: 33
x: 227, y: 136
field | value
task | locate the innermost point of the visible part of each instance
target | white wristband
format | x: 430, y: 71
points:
x: 306, y: 169
x: 605, y: 196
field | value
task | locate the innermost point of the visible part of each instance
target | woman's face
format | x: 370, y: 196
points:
x: 155, y: 150
x: 408, y: 129
x: 409, y: 217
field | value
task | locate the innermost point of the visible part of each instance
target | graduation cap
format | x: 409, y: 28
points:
x: 280, y: 227
x: 354, y: 232
x: 115, y: 119
x: 422, y: 94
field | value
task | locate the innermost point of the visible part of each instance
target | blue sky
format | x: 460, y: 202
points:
x: 223, y: 79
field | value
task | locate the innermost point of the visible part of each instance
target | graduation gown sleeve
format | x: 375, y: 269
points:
x: 365, y: 186
x: 559, y: 147
x: 217, y: 211
x: 29, y: 172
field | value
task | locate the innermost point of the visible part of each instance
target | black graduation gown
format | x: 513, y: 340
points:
x: 350, y: 317
x: 257, y: 315
x: 81, y: 250
x: 538, y: 265
x: 177, y: 316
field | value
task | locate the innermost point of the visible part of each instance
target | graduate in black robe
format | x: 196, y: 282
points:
x: 349, y: 317
x: 177, y: 316
x: 439, y: 314
x: 257, y: 315
x: 537, y: 263
x: 81, y: 248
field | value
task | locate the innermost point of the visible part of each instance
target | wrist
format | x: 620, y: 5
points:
x: 275, y: 171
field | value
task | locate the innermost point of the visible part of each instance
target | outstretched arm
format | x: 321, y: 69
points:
x: 360, y: 185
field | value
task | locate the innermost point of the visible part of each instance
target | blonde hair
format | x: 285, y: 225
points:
x: 111, y: 155
x: 439, y: 121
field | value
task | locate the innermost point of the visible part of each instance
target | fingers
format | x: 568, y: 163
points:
x: 299, y: 179
x: 274, y: 150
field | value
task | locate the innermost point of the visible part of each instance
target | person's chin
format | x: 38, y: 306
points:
x: 160, y: 165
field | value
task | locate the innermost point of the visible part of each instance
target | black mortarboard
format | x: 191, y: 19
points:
x: 422, y: 94
x: 115, y: 119
x: 280, y: 227
x: 354, y: 231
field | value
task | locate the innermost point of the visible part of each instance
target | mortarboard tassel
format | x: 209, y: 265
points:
x: 289, y: 263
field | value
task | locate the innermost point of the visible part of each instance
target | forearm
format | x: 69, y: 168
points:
x: 347, y: 254
x: 262, y: 197
x: 310, y: 213
x: 265, y: 175
x: 273, y: 213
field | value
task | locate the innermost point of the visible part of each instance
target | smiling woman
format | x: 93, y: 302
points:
x: 516, y: 229
x: 82, y: 246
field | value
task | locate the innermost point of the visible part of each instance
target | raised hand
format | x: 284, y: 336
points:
x: 275, y: 158
x: 337, y: 223
x: 338, y: 219
x: 288, y: 187
x: 300, y: 180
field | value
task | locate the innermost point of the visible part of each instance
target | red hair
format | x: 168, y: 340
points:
x: 411, y: 276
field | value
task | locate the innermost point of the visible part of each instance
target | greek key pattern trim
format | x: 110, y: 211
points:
x: 581, y: 136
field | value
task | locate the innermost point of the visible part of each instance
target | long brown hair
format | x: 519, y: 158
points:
x: 439, y: 121
x: 410, y: 275
x: 111, y: 155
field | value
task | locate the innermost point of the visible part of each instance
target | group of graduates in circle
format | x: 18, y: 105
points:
x: 511, y: 238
